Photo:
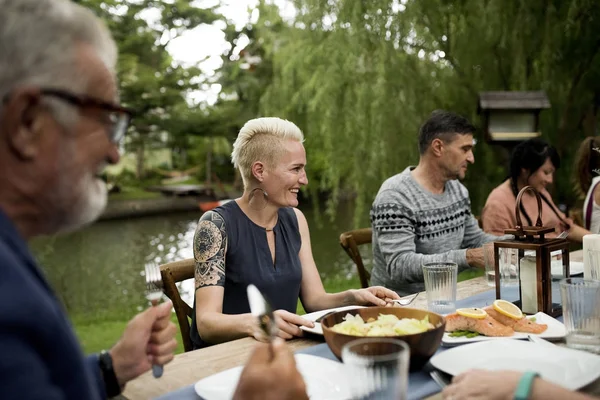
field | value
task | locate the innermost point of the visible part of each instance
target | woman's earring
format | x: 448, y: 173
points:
x: 258, y: 204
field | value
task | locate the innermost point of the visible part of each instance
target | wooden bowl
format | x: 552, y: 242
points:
x: 422, y: 345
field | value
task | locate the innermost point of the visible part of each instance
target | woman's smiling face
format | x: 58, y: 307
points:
x: 284, y: 180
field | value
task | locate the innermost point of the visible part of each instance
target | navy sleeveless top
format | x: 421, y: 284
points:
x: 248, y: 260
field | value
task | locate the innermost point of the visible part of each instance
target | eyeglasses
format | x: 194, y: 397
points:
x: 118, y: 117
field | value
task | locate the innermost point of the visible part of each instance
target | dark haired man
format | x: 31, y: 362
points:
x: 423, y: 214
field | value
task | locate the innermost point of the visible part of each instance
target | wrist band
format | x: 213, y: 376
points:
x: 111, y: 383
x: 524, y: 387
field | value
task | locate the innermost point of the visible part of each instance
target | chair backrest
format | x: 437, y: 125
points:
x: 178, y: 271
x: 350, y: 242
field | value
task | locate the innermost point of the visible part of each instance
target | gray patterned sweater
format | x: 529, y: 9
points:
x: 412, y: 226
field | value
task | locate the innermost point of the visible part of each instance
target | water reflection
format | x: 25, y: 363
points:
x: 98, y: 272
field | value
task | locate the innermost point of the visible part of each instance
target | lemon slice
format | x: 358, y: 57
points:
x: 476, y: 313
x: 508, y: 309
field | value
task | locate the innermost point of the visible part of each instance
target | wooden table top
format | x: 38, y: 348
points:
x: 188, y: 368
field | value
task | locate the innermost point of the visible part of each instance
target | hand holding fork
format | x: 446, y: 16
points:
x: 154, y: 294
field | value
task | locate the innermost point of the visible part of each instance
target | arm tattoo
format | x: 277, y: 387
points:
x: 210, y: 245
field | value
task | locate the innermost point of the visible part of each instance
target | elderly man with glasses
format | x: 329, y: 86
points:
x: 60, y: 124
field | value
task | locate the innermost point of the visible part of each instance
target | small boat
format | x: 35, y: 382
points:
x: 209, y: 205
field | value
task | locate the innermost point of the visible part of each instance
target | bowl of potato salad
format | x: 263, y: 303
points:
x: 420, y: 329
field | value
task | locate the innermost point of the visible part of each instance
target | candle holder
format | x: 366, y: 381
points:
x: 531, y: 255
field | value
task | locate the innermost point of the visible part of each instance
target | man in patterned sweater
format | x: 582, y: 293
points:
x: 423, y: 214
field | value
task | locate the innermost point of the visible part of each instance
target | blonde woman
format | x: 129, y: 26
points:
x: 261, y: 238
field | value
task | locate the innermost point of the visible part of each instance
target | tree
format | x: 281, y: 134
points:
x: 360, y: 76
x: 150, y: 81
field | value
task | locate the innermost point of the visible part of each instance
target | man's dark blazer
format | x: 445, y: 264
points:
x: 40, y: 357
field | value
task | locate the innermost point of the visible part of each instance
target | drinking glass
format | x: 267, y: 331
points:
x: 377, y: 368
x: 509, y: 266
x: 440, y: 286
x: 488, y: 258
x: 594, y: 265
x: 581, y: 313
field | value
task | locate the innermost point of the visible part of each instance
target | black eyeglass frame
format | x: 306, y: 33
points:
x: 120, y: 116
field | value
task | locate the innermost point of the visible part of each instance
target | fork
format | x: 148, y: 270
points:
x: 153, y: 294
x: 406, y: 300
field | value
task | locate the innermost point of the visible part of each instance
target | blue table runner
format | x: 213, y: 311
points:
x: 420, y: 384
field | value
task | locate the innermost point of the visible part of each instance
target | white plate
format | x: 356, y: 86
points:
x: 315, y: 315
x: 569, y: 368
x: 575, y: 268
x: 556, y: 330
x: 325, y: 379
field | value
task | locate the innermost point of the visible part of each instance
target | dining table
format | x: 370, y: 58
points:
x: 188, y: 368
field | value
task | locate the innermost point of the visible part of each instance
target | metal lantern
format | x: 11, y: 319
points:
x: 525, y: 263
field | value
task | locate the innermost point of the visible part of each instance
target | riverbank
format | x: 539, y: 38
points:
x: 141, y: 207
x: 117, y: 209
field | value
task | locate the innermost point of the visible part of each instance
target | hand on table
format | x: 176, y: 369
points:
x: 149, y: 338
x: 288, y: 326
x: 374, y: 295
x: 264, y: 378
x: 475, y: 257
x: 478, y: 384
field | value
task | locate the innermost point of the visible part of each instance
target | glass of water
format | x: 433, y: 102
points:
x: 377, y: 368
x: 440, y: 286
x: 581, y: 313
x: 592, y: 270
x: 488, y: 258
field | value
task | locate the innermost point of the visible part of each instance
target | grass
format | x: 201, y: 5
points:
x: 102, y: 334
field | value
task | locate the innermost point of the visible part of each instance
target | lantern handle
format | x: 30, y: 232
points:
x: 538, y: 223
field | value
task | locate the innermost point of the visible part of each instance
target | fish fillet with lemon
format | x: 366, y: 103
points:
x: 510, y: 315
x: 476, y: 320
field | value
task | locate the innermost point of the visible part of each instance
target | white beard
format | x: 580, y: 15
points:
x: 88, y: 205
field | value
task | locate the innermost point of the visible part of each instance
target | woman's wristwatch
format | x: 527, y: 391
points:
x: 108, y: 374
x: 524, y: 386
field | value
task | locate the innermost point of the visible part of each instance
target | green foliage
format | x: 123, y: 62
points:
x: 150, y: 81
x: 359, y: 78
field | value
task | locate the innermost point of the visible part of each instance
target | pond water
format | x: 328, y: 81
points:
x: 98, y: 271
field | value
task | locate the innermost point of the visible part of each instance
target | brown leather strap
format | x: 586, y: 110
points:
x: 517, y: 206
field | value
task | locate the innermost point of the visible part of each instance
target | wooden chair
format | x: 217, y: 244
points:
x: 350, y: 242
x: 178, y: 271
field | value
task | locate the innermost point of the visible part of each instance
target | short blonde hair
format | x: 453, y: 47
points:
x: 261, y: 139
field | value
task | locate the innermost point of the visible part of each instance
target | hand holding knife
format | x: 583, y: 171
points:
x: 260, y: 308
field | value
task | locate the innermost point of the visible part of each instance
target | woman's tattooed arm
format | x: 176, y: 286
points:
x: 210, y: 246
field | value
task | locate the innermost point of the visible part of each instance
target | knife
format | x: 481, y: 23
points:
x: 540, y: 341
x: 260, y: 308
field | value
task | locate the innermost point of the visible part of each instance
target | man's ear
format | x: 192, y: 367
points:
x: 22, y: 123
x: 437, y: 147
x: 258, y: 170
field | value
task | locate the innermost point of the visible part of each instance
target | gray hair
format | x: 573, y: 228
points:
x: 38, y: 42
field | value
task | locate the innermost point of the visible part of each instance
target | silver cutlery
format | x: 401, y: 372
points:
x: 563, y: 235
x: 153, y: 294
x: 540, y: 341
x: 404, y: 301
x: 260, y: 308
x: 440, y: 378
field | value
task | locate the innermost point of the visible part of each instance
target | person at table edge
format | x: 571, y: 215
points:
x: 532, y: 162
x: 423, y: 214
x: 263, y: 239
x: 60, y: 125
